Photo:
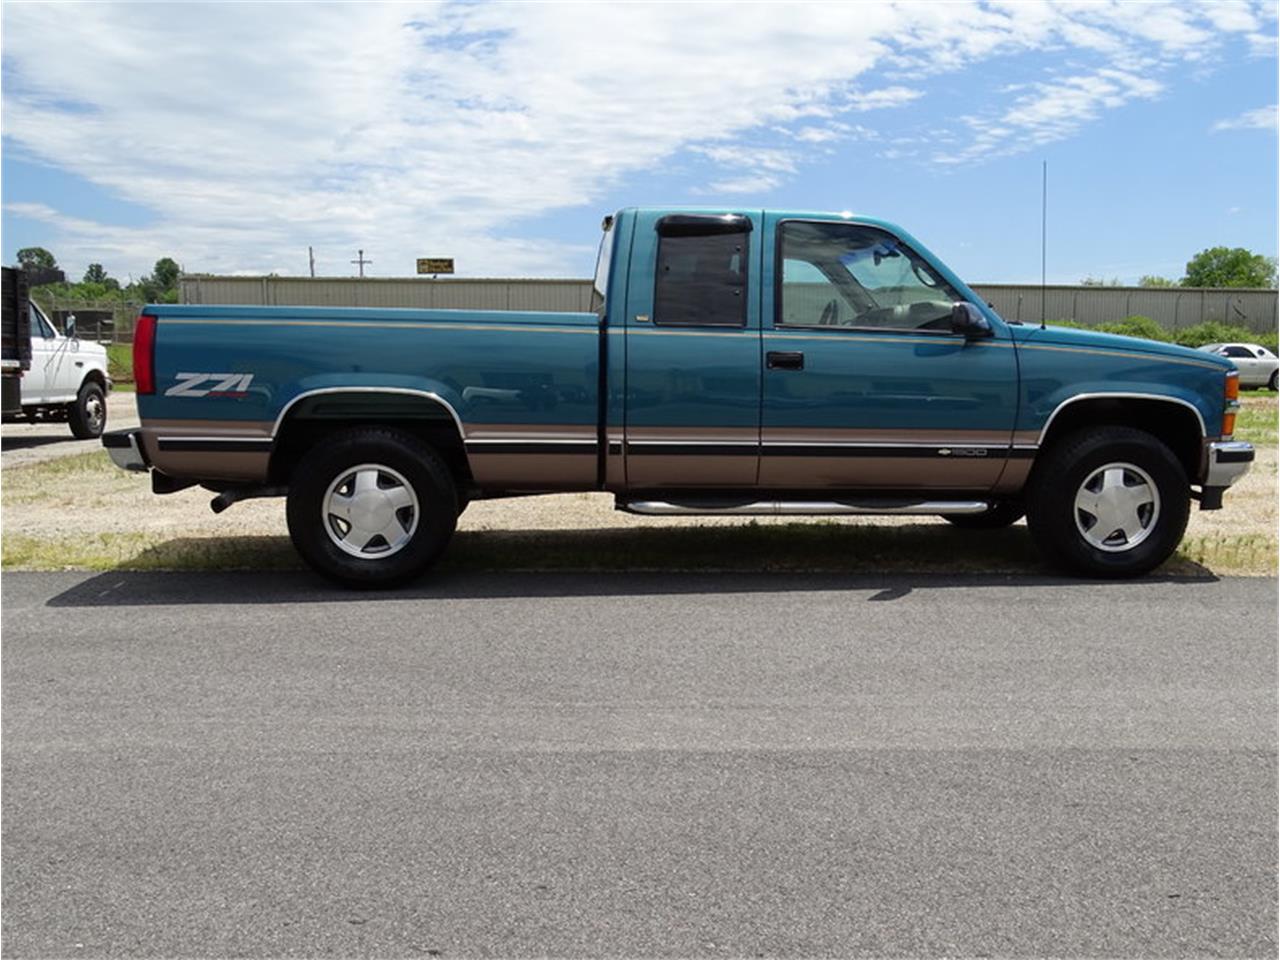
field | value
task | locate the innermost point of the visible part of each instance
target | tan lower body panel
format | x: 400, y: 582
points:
x: 524, y: 457
x: 879, y: 473
x: 232, y: 450
x: 882, y: 459
x: 674, y: 457
x: 533, y: 471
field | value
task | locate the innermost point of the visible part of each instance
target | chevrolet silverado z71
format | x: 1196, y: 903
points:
x: 737, y: 362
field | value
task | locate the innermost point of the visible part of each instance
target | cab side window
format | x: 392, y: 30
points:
x: 702, y: 271
x: 852, y: 275
x: 1238, y: 352
x: 41, y: 325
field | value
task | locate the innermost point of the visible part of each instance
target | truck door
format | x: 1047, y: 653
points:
x: 693, y: 374
x: 43, y: 382
x: 865, y: 385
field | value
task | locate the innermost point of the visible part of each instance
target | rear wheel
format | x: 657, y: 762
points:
x: 1002, y: 514
x: 88, y: 412
x: 1108, y: 502
x: 371, y: 507
x: 1272, y: 384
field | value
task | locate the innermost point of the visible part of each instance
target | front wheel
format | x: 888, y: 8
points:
x: 1108, y: 502
x: 1272, y: 384
x: 371, y: 507
x: 88, y: 412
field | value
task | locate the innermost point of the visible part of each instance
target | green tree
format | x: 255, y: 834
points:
x: 36, y: 258
x: 1230, y: 267
x: 1148, y: 280
x: 165, y: 273
x: 95, y: 274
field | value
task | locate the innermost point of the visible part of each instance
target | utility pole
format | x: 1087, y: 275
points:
x: 311, y: 255
x: 361, y: 261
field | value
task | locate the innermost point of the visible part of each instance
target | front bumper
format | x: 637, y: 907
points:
x: 1228, y: 461
x: 125, y: 448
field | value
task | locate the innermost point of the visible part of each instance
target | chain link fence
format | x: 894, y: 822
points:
x: 103, y: 321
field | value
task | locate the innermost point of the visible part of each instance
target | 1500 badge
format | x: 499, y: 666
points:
x: 210, y: 385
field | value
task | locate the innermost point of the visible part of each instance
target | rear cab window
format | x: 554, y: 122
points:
x: 702, y: 271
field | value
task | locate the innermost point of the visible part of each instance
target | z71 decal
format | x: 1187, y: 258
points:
x: 211, y: 385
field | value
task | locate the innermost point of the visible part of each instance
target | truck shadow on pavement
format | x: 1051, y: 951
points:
x: 888, y: 563
x: 29, y: 442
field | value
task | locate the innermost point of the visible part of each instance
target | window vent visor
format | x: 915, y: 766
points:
x: 701, y: 225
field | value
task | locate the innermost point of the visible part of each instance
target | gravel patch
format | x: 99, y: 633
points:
x: 25, y: 443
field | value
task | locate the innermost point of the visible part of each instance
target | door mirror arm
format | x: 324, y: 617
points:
x: 968, y: 320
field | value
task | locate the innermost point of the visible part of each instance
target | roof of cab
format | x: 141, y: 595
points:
x: 835, y: 216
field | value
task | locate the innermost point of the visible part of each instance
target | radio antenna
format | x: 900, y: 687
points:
x: 1044, y: 239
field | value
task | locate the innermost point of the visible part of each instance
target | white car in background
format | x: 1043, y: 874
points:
x: 1257, y: 365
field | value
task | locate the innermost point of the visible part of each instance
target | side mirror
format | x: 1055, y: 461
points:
x: 968, y: 320
x: 71, y: 327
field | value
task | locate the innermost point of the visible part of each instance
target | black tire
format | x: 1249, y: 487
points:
x: 1004, y: 513
x: 88, y: 413
x: 400, y: 463
x: 1075, y: 465
x: 1274, y: 383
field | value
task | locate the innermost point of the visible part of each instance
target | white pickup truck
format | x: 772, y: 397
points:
x: 48, y: 375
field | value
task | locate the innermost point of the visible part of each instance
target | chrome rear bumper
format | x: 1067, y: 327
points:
x: 126, y: 449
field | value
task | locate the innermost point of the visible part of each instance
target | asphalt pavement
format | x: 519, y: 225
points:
x: 665, y: 765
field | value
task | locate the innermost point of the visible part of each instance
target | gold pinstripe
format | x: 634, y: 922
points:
x: 1130, y: 354
x: 364, y: 325
x: 724, y: 332
x: 1134, y: 354
x: 855, y: 338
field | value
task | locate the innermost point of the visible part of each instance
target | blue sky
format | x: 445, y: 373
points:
x: 234, y: 136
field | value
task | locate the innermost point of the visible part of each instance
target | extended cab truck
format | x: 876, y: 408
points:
x: 46, y: 375
x: 737, y: 362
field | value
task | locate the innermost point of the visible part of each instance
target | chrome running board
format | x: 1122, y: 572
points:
x: 800, y: 508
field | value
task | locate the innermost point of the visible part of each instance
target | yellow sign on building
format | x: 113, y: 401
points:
x: 435, y: 264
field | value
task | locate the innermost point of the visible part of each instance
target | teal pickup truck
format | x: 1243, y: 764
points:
x: 737, y: 362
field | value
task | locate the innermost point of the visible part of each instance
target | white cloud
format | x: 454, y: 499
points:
x: 1262, y: 118
x: 1052, y: 111
x: 252, y: 130
x: 880, y: 99
x: 1232, y: 15
x: 750, y: 184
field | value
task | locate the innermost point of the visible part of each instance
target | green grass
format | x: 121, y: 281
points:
x: 78, y: 482
x: 75, y: 465
x: 1247, y: 555
x: 147, y: 551
x: 120, y: 362
x: 804, y: 548
x: 1258, y: 424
